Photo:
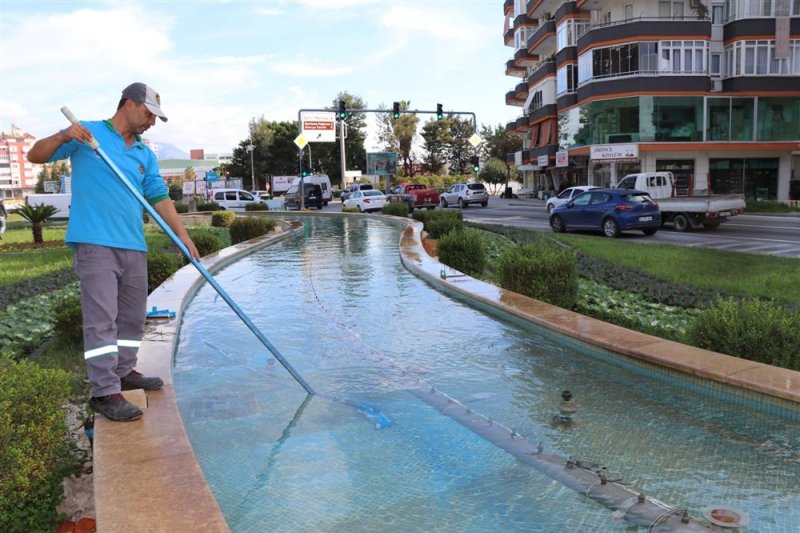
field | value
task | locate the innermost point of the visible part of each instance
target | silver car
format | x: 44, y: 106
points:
x: 463, y: 194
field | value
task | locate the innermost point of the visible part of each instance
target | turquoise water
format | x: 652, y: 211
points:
x: 341, y: 308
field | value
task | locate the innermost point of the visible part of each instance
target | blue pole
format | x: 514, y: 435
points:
x: 205, y: 273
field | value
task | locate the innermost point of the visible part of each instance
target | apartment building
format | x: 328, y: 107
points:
x: 707, y: 89
x: 17, y: 174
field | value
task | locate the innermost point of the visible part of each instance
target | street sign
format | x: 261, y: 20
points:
x: 300, y: 141
x: 211, y: 176
x: 318, y: 126
x: 475, y: 140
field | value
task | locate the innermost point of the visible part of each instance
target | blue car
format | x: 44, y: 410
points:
x: 610, y: 211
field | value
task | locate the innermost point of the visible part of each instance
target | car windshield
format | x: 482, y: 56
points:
x: 637, y: 198
x: 476, y: 186
x: 365, y: 187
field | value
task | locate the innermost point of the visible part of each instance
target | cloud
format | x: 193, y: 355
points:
x: 307, y: 70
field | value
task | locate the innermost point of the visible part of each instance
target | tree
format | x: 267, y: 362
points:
x: 498, y: 144
x: 274, y: 152
x: 36, y: 215
x: 436, y: 140
x: 189, y: 174
x: 50, y: 172
x: 495, y: 173
x: 459, y: 150
x: 397, y: 135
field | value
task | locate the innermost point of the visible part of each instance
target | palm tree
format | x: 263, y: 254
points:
x: 36, y: 215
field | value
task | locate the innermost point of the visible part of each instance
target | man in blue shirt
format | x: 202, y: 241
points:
x: 106, y: 232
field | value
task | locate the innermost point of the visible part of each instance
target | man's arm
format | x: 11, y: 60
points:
x: 43, y: 149
x: 166, y: 209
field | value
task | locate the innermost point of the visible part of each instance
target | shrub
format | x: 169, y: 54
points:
x: 246, y: 228
x: 752, y: 329
x: 160, y: 266
x: 209, y: 206
x: 463, y: 250
x: 440, y: 223
x: 222, y: 219
x: 35, y: 454
x: 67, y: 317
x: 419, y: 214
x: 206, y: 242
x: 542, y: 271
x: 181, y: 208
x: 255, y: 206
x: 350, y: 210
x: 398, y: 209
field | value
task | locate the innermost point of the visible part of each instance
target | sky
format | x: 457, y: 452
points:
x: 219, y: 64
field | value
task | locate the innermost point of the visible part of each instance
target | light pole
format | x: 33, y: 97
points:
x: 250, y: 149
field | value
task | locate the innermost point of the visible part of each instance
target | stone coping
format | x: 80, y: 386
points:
x: 146, y: 476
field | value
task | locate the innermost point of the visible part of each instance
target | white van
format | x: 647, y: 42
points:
x: 232, y: 199
x: 324, y: 183
x: 61, y: 201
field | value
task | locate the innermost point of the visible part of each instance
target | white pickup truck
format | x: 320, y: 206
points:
x: 684, y: 212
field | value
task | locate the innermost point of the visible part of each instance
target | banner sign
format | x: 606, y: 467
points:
x: 382, y: 163
x: 188, y: 188
x: 543, y: 161
x: 318, y: 126
x: 562, y: 158
x: 615, y: 152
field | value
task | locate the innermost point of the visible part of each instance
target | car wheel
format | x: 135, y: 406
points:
x: 443, y: 202
x: 650, y: 231
x: 461, y: 203
x: 681, y: 223
x: 557, y: 224
x: 610, y: 228
x: 359, y: 209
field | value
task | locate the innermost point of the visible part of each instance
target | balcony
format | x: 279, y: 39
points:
x: 512, y: 99
x: 508, y: 7
x: 523, y: 59
x: 542, y: 9
x: 546, y: 68
x: 640, y: 82
x: 514, y: 70
x: 543, y: 40
x: 632, y: 29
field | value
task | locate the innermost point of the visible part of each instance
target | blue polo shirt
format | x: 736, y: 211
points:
x: 103, y: 211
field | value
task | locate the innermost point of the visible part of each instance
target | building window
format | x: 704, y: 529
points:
x: 718, y: 14
x: 670, y: 9
x: 628, y: 11
x: 567, y: 79
x: 751, y: 58
x: 730, y: 119
x: 683, y: 56
x: 567, y: 33
x: 715, y: 65
x: 778, y: 118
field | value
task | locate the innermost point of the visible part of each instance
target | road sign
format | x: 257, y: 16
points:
x: 318, y: 126
x: 300, y: 141
x: 475, y: 140
x: 211, y: 176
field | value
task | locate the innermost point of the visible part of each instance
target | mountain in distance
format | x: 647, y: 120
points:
x: 170, y: 151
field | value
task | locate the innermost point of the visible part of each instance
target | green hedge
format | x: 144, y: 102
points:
x: 160, y: 266
x: 752, y: 329
x: 206, y: 242
x: 440, y: 223
x: 398, y: 209
x: 255, y: 206
x: 246, y: 228
x: 540, y: 270
x: 181, y: 208
x: 463, y: 250
x: 67, y: 317
x: 35, y: 454
x: 222, y: 219
x: 209, y: 206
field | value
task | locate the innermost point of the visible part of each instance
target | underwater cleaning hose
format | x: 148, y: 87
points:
x: 94, y: 145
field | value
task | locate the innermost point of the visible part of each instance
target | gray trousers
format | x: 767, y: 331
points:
x: 113, y: 302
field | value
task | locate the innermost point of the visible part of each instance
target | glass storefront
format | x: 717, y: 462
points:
x: 680, y: 119
x: 756, y: 178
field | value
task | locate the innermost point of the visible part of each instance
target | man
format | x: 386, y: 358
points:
x: 106, y: 232
x: 3, y: 215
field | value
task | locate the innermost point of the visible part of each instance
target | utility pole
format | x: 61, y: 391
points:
x: 250, y: 147
x: 341, y: 149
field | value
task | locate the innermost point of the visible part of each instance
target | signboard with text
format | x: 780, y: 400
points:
x: 542, y: 161
x: 188, y: 188
x: 382, y: 163
x: 615, y: 152
x: 562, y: 158
x: 318, y: 126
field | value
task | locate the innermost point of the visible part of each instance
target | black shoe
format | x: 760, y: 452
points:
x: 115, y: 407
x: 135, y: 380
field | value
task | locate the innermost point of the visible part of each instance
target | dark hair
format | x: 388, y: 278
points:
x: 122, y: 103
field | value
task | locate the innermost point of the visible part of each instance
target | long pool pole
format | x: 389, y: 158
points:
x: 205, y: 273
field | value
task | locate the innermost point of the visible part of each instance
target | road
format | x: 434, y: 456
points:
x: 777, y: 235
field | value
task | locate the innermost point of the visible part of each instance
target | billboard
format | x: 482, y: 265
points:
x: 382, y: 163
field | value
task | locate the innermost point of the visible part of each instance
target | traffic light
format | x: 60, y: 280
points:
x: 439, y: 112
x: 396, y: 110
x: 476, y: 163
x: 305, y: 169
x: 342, y: 111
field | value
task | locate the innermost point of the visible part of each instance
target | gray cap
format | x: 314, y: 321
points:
x: 144, y: 94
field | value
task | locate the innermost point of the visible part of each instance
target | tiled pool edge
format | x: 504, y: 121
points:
x: 766, y: 381
x: 146, y: 476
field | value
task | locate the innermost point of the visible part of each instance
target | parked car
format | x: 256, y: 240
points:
x: 463, y: 194
x: 355, y: 187
x: 312, y: 196
x: 608, y: 210
x: 366, y: 201
x: 232, y: 199
x: 566, y: 195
